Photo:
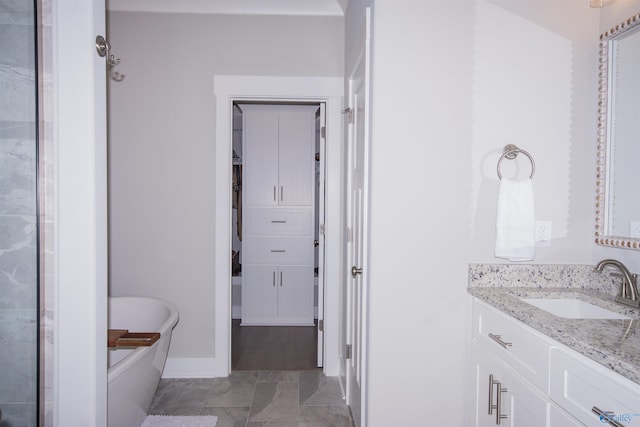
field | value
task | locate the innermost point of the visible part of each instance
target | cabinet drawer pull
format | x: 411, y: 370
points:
x: 278, y: 221
x: 498, y: 339
x: 281, y: 279
x: 282, y: 193
x: 274, y: 279
x: 606, y: 416
x: 491, y: 384
x: 278, y: 250
x: 274, y: 193
x: 499, y: 391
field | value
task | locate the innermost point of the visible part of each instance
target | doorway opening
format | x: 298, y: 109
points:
x: 277, y: 239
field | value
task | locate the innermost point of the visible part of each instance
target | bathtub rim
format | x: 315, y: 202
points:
x: 116, y: 370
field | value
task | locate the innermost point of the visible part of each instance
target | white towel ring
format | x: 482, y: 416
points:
x: 510, y: 151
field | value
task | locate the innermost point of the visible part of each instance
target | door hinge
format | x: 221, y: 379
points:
x: 321, y: 229
x: 321, y: 325
x: 349, y: 234
x: 349, y: 113
x: 323, y: 132
x: 348, y: 351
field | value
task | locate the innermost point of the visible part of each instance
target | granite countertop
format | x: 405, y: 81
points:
x: 614, y: 344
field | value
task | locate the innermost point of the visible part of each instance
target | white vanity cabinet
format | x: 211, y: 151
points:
x: 511, y: 365
x: 278, y: 215
x: 512, y: 371
x: 547, y: 384
x: 503, y: 397
x: 584, y: 387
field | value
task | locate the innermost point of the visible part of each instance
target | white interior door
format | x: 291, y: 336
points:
x: 321, y: 218
x: 358, y: 211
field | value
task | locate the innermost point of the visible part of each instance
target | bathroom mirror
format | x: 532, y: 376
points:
x: 618, y: 137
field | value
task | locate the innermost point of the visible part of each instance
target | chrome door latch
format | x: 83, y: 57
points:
x: 355, y: 271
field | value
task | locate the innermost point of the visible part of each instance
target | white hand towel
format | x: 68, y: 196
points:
x: 515, y: 223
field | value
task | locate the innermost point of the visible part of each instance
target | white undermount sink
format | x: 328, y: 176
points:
x: 570, y: 308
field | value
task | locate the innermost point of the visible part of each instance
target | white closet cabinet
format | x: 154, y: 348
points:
x: 278, y: 155
x: 277, y: 296
x: 278, y: 215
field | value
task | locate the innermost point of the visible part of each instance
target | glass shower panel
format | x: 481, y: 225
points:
x: 18, y: 215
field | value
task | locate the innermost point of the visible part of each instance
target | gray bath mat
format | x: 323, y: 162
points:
x: 179, y: 421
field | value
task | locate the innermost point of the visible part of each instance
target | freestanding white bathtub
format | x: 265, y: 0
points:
x: 133, y: 374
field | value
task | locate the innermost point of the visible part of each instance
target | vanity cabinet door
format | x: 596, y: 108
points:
x: 526, y: 406
x: 504, y: 398
x: 488, y: 372
x: 559, y: 418
x: 579, y: 385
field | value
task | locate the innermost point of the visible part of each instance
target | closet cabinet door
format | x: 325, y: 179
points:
x: 259, y: 294
x: 277, y: 295
x: 295, y: 294
x: 260, y: 163
x: 296, y: 158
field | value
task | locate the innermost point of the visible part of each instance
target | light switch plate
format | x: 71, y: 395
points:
x: 543, y: 234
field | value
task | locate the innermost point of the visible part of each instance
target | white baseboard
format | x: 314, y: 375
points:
x: 192, y: 367
x: 236, y: 312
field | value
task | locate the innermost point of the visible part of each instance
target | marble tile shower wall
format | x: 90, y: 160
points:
x: 18, y: 237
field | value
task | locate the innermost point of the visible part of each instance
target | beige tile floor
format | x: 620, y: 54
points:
x: 257, y: 399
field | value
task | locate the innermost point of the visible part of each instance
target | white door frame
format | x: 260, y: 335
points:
x: 80, y: 217
x: 228, y: 89
x: 320, y: 220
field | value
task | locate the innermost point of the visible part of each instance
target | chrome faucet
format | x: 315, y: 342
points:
x: 628, y: 290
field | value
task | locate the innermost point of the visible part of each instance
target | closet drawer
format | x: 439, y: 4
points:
x: 277, y: 221
x: 278, y: 250
x: 520, y: 346
x: 579, y: 384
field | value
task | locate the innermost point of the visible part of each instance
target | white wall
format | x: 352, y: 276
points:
x: 453, y: 82
x: 162, y: 145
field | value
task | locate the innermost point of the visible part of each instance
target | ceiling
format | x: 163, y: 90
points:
x: 249, y: 7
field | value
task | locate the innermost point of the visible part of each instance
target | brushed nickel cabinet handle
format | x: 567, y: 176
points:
x: 499, y: 390
x: 491, y: 384
x: 281, y: 279
x: 278, y: 221
x: 274, y: 279
x: 498, y: 339
x: 278, y: 250
x: 606, y: 416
